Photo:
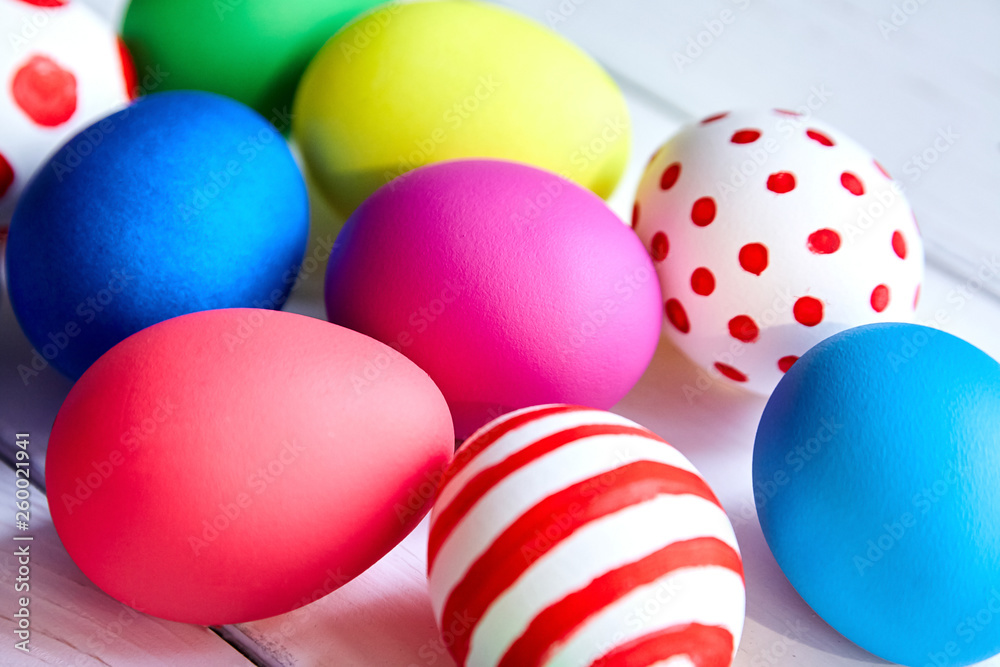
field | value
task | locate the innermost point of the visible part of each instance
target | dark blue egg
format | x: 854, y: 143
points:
x: 183, y: 202
x: 876, y: 474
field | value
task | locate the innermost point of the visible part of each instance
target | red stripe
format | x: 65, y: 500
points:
x: 564, y: 512
x: 472, y: 447
x: 704, y: 645
x: 480, y: 485
x: 553, y: 626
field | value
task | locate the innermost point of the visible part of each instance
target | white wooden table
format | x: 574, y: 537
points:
x: 916, y: 81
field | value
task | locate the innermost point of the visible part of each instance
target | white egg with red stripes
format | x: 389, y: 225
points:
x: 564, y: 535
x: 64, y: 68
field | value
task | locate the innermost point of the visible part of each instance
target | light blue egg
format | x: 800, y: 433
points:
x: 185, y: 201
x: 876, y: 474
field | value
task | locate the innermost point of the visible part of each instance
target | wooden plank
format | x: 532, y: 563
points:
x: 74, y: 623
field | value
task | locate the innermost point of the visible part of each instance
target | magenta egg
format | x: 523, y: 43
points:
x: 509, y: 285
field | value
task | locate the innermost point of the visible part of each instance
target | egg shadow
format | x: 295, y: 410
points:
x: 30, y: 393
x: 381, y: 617
x: 773, y: 602
x: 713, y: 423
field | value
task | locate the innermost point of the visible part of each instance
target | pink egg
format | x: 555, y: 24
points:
x: 771, y: 232
x: 228, y: 465
x: 509, y: 285
x: 568, y: 536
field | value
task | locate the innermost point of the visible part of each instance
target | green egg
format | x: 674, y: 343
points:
x: 251, y: 50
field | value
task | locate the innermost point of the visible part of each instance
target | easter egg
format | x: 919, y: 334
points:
x: 509, y: 285
x: 181, y: 202
x: 555, y: 524
x: 875, y: 472
x: 209, y: 469
x: 251, y: 50
x: 414, y: 84
x: 63, y: 68
x: 770, y: 232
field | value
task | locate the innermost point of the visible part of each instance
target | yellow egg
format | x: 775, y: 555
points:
x: 412, y: 84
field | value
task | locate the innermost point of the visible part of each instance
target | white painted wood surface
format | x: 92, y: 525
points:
x: 74, y: 623
x: 894, y: 93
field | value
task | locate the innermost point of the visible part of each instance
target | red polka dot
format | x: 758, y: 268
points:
x: 745, y: 137
x: 742, y: 327
x: 6, y: 175
x: 128, y: 70
x: 45, y: 91
x: 786, y: 362
x: 702, y: 281
x: 635, y: 215
x: 786, y: 112
x: 46, y: 3
x: 703, y: 212
x: 818, y: 136
x: 670, y: 176
x: 730, y: 372
x: 852, y: 183
x: 753, y: 258
x: 712, y: 119
x: 677, y: 315
x: 899, y: 244
x: 880, y: 298
x: 808, y: 311
x: 881, y: 169
x: 781, y: 182
x: 659, y: 246
x: 824, y: 242
x: 916, y: 298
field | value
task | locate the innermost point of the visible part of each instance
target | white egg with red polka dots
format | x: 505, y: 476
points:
x: 62, y: 67
x: 771, y: 231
